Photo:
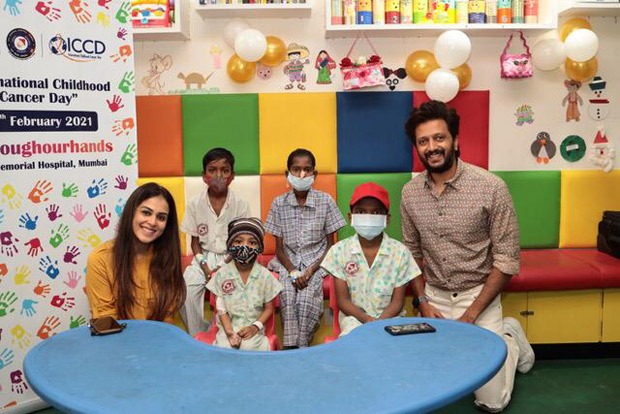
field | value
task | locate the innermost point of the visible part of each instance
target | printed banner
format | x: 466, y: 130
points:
x: 68, y: 162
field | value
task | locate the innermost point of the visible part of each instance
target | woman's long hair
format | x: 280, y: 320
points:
x: 166, y: 276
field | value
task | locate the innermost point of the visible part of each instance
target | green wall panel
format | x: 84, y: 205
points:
x: 536, y: 196
x: 229, y: 121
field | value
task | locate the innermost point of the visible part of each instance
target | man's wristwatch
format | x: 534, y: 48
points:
x: 417, y: 301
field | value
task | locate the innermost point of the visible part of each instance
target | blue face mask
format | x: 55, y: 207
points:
x: 243, y: 254
x: 368, y: 226
x: 300, y: 184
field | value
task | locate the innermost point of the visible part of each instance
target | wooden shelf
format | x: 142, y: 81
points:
x: 255, y: 10
x: 592, y: 9
x: 547, y: 20
x: 426, y: 30
x: 178, y: 31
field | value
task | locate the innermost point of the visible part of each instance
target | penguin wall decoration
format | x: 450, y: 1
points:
x: 543, y: 149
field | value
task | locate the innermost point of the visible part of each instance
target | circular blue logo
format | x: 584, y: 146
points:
x: 57, y: 45
x: 21, y: 43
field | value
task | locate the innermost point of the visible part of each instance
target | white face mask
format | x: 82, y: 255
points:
x: 368, y: 226
x: 300, y: 184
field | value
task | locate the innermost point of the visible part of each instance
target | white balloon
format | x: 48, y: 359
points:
x: 581, y: 45
x: 232, y: 29
x: 250, y: 45
x: 548, y: 54
x: 452, y: 49
x: 442, y: 85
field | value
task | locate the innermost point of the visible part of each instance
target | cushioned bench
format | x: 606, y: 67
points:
x: 565, y: 269
x: 558, y: 213
x: 564, y: 283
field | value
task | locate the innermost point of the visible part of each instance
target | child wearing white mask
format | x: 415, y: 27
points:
x: 303, y: 222
x: 371, y: 270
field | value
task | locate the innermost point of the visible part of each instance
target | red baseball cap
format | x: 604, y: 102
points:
x: 370, y: 190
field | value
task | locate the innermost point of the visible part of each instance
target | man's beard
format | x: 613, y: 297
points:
x: 449, y: 159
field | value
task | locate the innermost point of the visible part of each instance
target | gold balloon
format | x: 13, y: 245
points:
x: 420, y: 64
x: 573, y: 24
x: 463, y: 72
x: 581, y: 71
x: 239, y: 70
x: 275, y: 53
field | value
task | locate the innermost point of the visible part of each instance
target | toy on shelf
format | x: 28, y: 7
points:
x: 152, y: 13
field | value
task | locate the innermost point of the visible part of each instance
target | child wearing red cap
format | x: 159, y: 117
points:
x: 371, y: 270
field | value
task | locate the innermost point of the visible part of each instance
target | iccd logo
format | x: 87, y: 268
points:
x: 21, y: 43
x: 76, y: 48
x: 57, y: 45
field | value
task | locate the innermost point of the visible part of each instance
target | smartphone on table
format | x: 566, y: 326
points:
x: 105, y: 325
x: 409, y: 328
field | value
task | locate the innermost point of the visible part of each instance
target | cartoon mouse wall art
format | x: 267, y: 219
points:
x: 152, y: 82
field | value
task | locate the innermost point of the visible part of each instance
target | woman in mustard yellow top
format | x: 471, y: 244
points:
x: 138, y: 274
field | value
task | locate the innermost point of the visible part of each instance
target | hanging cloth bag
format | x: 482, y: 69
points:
x: 516, y: 65
x: 357, y: 75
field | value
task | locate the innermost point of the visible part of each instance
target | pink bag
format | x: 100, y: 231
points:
x: 516, y: 65
x: 362, y: 75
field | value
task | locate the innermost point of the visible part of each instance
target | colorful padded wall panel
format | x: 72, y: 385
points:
x: 585, y: 195
x: 290, y: 121
x: 536, y: 197
x: 473, y: 110
x: 160, y: 136
x: 371, y: 133
x: 229, y: 121
x: 347, y: 132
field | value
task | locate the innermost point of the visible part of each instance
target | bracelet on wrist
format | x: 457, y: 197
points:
x: 200, y: 258
x: 417, y: 301
x: 258, y: 324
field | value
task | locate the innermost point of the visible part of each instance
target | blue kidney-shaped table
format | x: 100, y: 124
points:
x: 154, y: 367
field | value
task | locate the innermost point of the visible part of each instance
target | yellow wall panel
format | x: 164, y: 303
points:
x: 177, y: 188
x: 565, y: 316
x: 611, y: 315
x: 584, y: 197
x: 297, y: 120
x: 513, y: 303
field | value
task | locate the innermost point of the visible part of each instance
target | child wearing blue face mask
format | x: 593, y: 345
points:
x: 371, y: 270
x: 244, y: 290
x: 303, y: 222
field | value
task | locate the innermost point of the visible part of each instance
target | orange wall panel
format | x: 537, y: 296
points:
x: 160, y: 136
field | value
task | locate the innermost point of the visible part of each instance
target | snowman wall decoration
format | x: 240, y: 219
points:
x: 602, y: 153
x: 599, y: 105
